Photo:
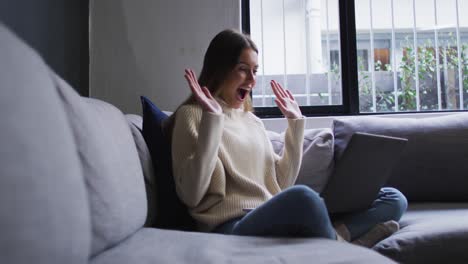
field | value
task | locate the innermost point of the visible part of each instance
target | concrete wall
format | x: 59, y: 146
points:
x: 57, y: 30
x: 141, y: 47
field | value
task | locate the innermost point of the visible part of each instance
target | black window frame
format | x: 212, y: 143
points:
x: 349, y: 73
x: 349, y: 70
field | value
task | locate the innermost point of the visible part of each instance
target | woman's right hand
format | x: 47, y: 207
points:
x: 202, y: 94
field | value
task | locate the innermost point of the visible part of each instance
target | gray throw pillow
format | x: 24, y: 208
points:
x: 317, y: 160
x: 434, y: 163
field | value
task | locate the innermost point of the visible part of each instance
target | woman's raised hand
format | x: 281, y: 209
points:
x: 202, y: 94
x: 285, y: 101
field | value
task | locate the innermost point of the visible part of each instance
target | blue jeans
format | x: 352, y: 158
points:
x: 300, y: 212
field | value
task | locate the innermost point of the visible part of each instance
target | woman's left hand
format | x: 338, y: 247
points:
x: 285, y: 101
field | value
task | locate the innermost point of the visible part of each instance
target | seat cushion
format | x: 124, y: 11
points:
x: 433, y: 164
x: 110, y: 165
x: 430, y: 233
x: 151, y: 245
x: 44, y: 215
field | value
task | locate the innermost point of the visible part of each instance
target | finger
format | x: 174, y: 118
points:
x: 188, y: 75
x: 199, y: 95
x: 193, y: 79
x: 189, y: 80
x: 290, y: 95
x: 281, y: 106
x: 279, y: 96
x: 196, y: 90
x: 280, y: 89
x: 274, y: 87
x: 281, y: 92
x: 188, y: 72
x: 207, y: 92
x: 193, y: 87
x: 194, y: 76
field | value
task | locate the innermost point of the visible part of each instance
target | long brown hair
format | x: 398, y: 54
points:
x: 221, y: 57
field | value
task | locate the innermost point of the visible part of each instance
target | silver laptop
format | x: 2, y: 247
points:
x: 361, y: 171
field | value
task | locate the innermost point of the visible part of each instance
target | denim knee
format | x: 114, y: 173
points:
x: 396, y: 202
x: 307, y: 198
x: 301, y: 193
x: 311, y: 212
x: 296, y: 211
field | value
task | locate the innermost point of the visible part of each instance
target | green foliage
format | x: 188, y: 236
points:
x: 426, y: 75
x: 365, y: 87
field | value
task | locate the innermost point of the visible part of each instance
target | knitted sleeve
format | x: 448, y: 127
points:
x: 195, y: 142
x: 288, y: 165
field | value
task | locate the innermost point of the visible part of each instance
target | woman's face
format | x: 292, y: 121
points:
x: 241, y: 80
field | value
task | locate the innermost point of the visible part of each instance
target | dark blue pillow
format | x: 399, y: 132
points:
x: 171, y: 213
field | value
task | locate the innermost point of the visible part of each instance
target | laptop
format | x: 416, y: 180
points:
x: 361, y: 171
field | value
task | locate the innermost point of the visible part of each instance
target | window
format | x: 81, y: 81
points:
x: 349, y: 57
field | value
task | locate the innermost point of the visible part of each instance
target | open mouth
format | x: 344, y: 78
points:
x: 242, y: 93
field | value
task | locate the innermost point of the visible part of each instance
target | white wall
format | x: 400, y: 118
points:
x: 141, y: 47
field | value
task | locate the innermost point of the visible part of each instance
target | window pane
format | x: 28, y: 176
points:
x: 447, y: 34
x: 298, y: 43
x: 463, y: 45
x: 408, y: 55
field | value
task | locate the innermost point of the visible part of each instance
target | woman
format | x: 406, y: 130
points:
x: 225, y: 168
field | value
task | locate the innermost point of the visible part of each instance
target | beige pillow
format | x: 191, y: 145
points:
x: 317, y: 160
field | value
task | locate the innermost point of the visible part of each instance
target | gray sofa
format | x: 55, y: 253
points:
x: 72, y: 190
x: 72, y: 186
x: 433, y: 174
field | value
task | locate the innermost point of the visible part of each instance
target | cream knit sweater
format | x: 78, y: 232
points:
x: 224, y: 163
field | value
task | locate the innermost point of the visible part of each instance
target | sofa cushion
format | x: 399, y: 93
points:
x: 135, y: 122
x: 317, y: 159
x: 44, y: 207
x: 434, y: 163
x: 190, y: 247
x: 171, y: 212
x: 110, y: 165
x: 430, y: 233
